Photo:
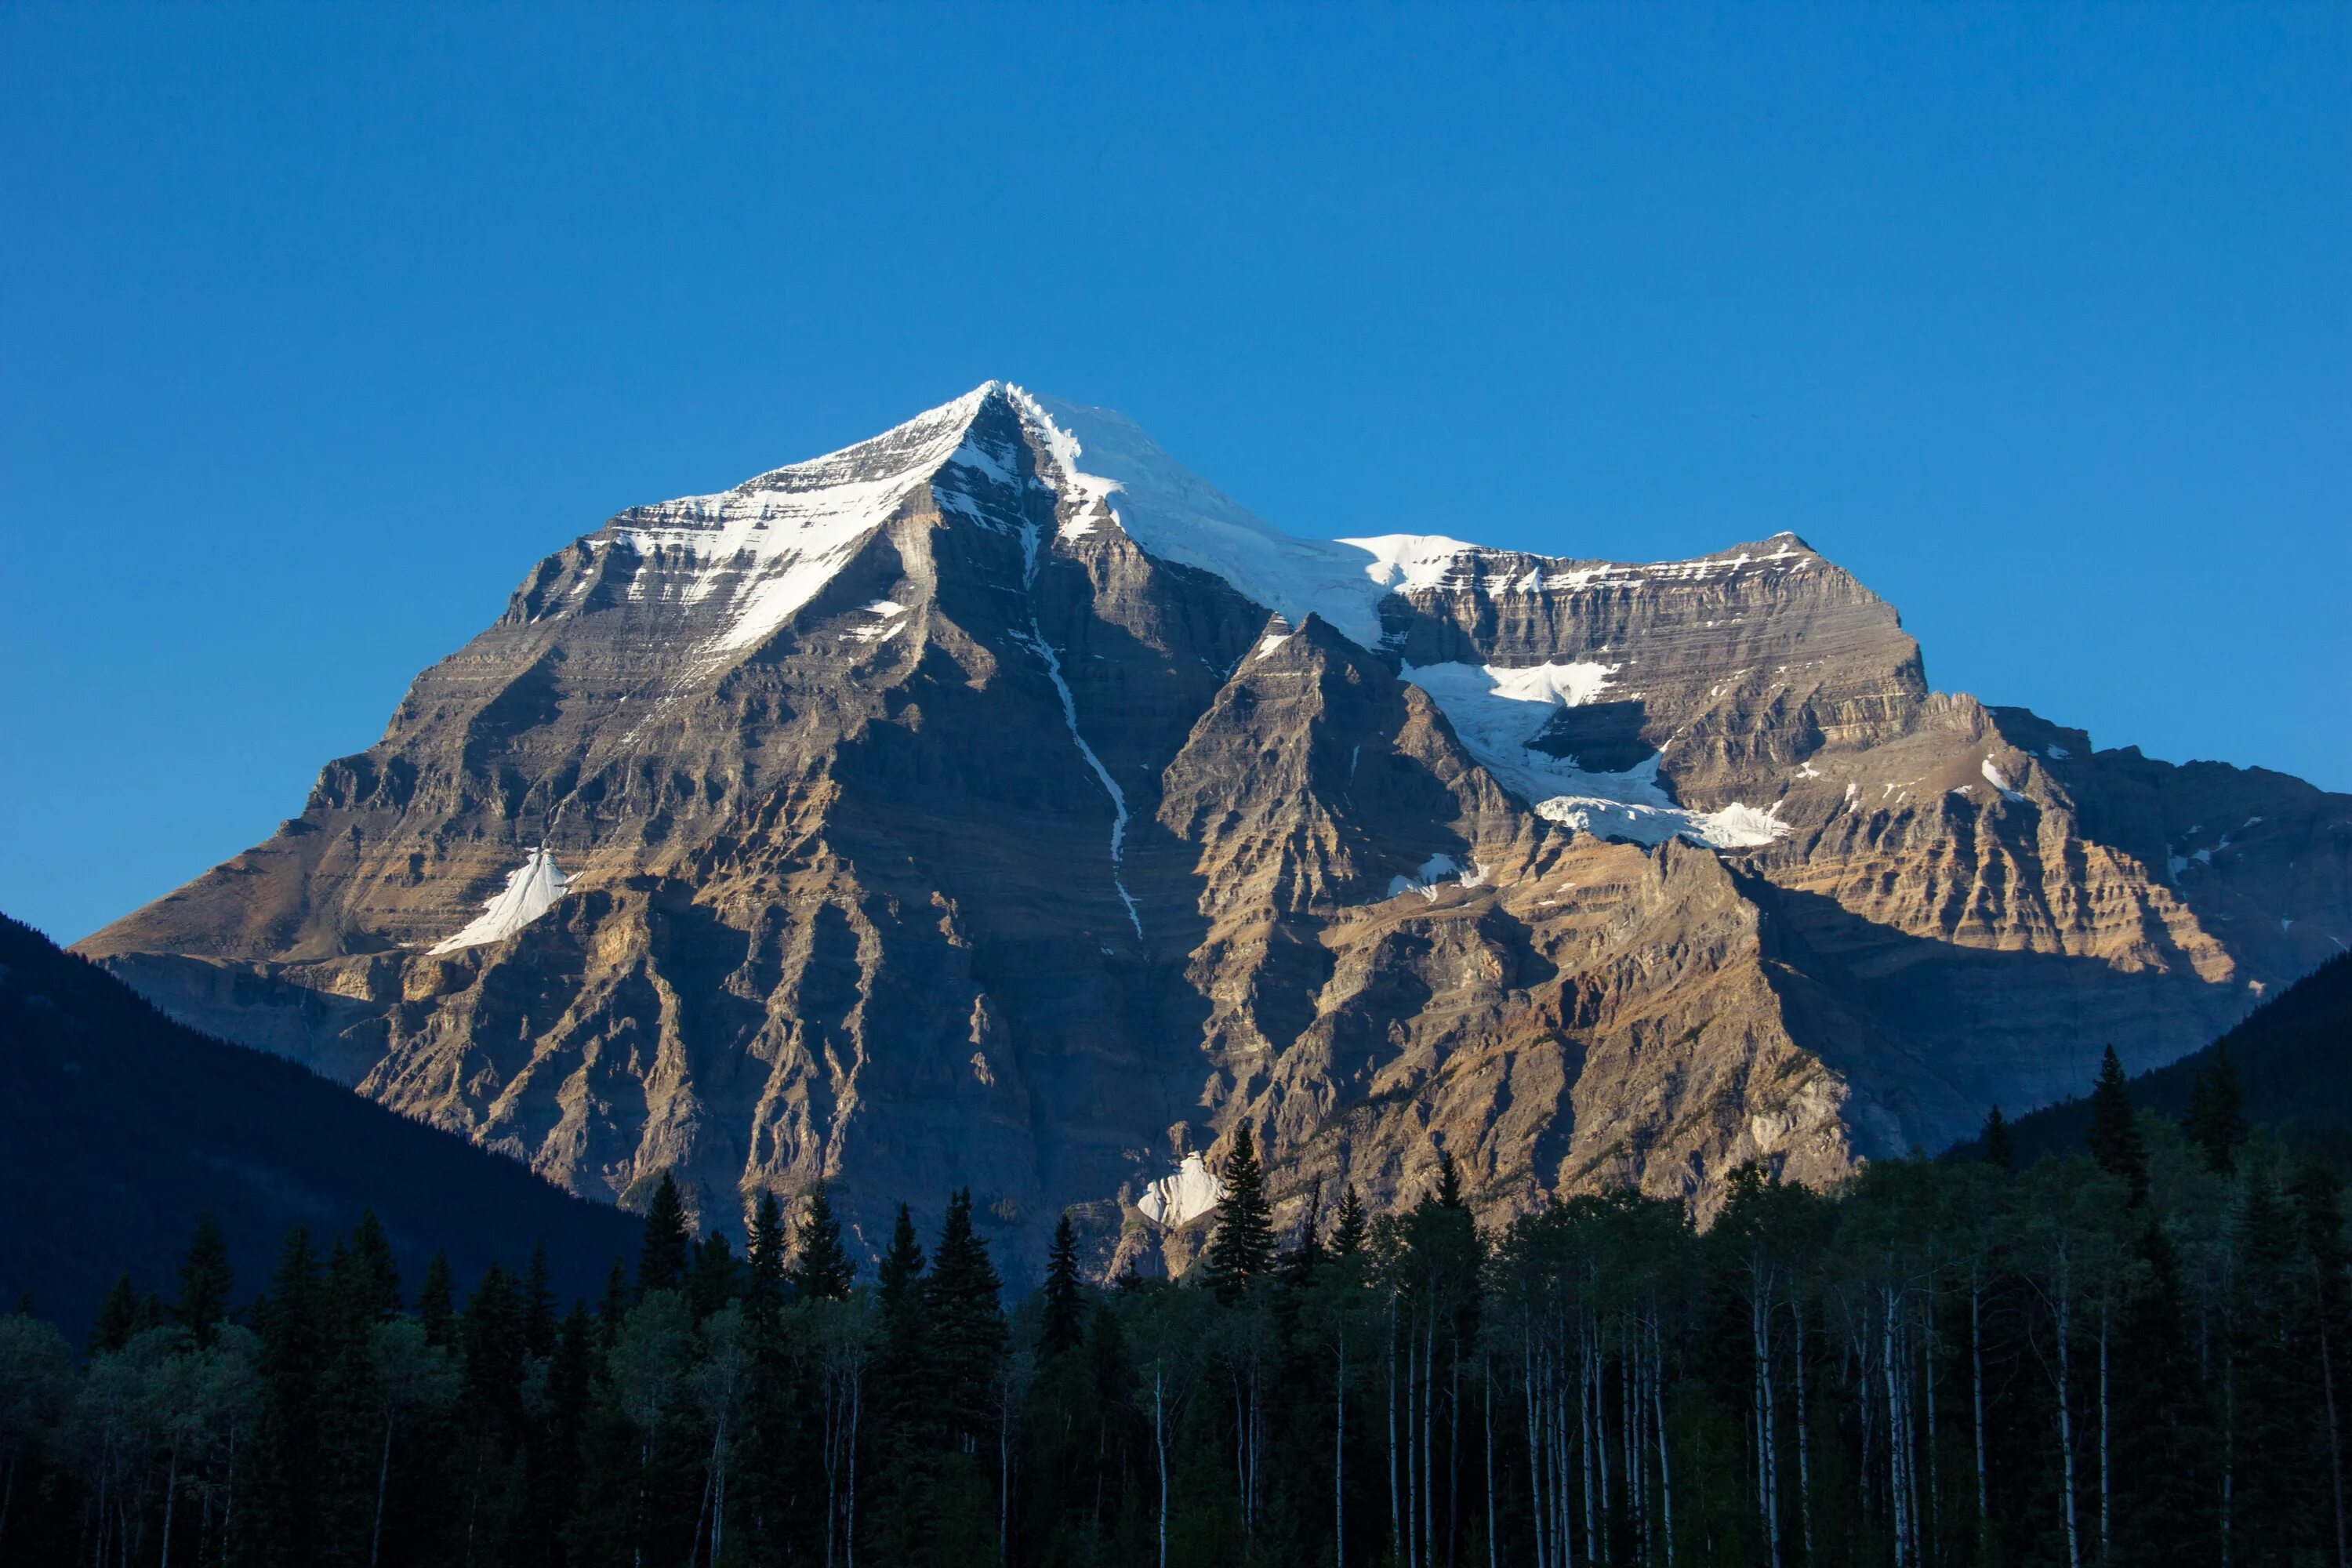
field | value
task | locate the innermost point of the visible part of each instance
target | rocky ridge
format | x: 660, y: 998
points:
x: 995, y: 804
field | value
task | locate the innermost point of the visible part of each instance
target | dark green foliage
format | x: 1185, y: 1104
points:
x: 1348, y: 1232
x: 1062, y: 1327
x: 1993, y: 1145
x: 965, y: 1328
x: 118, y: 1317
x: 2216, y: 1123
x: 764, y: 1271
x: 206, y: 1281
x: 716, y: 1276
x: 436, y: 1303
x: 821, y: 1270
x: 2116, y: 1143
x: 670, y: 1240
x: 1242, y: 1247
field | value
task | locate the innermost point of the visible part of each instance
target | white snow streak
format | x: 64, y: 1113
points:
x: 1191, y: 1192
x: 1053, y: 663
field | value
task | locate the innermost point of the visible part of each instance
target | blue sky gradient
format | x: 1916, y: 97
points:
x: 321, y: 324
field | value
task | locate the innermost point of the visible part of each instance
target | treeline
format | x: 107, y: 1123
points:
x: 2133, y: 1358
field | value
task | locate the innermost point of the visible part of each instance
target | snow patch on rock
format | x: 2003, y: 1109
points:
x: 1191, y: 1192
x: 532, y: 888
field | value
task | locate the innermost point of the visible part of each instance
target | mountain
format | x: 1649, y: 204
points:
x: 2289, y: 1054
x: 994, y: 803
x: 120, y: 1128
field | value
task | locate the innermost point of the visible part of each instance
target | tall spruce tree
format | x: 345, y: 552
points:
x: 1350, y: 1230
x: 713, y: 1282
x: 207, y: 1282
x: 374, y: 1273
x: 1242, y: 1247
x: 436, y: 1303
x: 663, y: 1259
x: 118, y: 1317
x: 964, y: 1315
x: 1062, y: 1327
x: 763, y: 1258
x: 823, y: 1271
x: 1994, y: 1145
x: 2217, y: 1113
x: 2116, y: 1141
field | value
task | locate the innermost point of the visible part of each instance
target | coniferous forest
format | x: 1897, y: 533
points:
x: 2135, y: 1357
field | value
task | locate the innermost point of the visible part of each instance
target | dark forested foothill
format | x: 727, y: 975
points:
x: 2136, y: 1359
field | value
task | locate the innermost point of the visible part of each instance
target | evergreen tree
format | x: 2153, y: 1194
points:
x: 1994, y: 1146
x: 374, y: 1274
x: 290, y: 1465
x: 1299, y: 1265
x: 612, y: 1309
x: 2217, y: 1114
x: 1449, y: 1183
x: 2167, y: 1482
x: 118, y: 1317
x: 823, y: 1271
x: 713, y: 1282
x: 537, y: 1302
x: 436, y: 1306
x: 662, y: 1262
x: 763, y: 1258
x: 1243, y: 1246
x: 207, y: 1282
x: 965, y: 1324
x: 1352, y: 1229
x: 900, y: 1276
x: 2116, y: 1141
x: 1063, y: 1326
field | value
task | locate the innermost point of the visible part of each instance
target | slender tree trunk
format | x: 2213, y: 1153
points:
x: 171, y: 1496
x: 2106, y: 1496
x: 1976, y: 1391
x: 1665, y: 1463
x: 2066, y: 1418
x: 1486, y: 1366
x: 382, y: 1484
x: 2335, y: 1439
x: 1898, y: 1494
x: 1160, y: 1441
x: 1339, y: 1456
x: 1804, y: 1429
x: 1396, y: 1502
x: 1768, y: 1426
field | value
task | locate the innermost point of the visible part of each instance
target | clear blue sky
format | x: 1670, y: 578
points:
x: 319, y: 325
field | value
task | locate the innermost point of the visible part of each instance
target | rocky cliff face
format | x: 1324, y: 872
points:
x: 994, y: 803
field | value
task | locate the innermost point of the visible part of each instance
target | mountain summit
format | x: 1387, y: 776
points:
x: 996, y: 803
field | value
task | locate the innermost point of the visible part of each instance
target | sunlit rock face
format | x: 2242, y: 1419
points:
x: 996, y: 804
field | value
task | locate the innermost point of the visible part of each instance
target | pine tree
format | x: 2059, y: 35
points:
x: 662, y: 1262
x: 612, y: 1309
x: 207, y: 1282
x: 1299, y: 1265
x: 2116, y: 1141
x: 823, y: 1271
x: 436, y: 1303
x: 118, y: 1317
x: 1994, y: 1146
x: 965, y: 1324
x: 292, y: 1460
x: 1349, y: 1233
x: 900, y: 1276
x: 1449, y: 1183
x: 2217, y: 1113
x: 1063, y: 1328
x: 763, y: 1258
x: 2167, y: 1480
x: 712, y: 1283
x: 375, y: 1275
x: 1242, y: 1247
x: 538, y: 1305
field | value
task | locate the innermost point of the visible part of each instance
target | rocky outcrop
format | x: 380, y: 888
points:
x: 995, y: 805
